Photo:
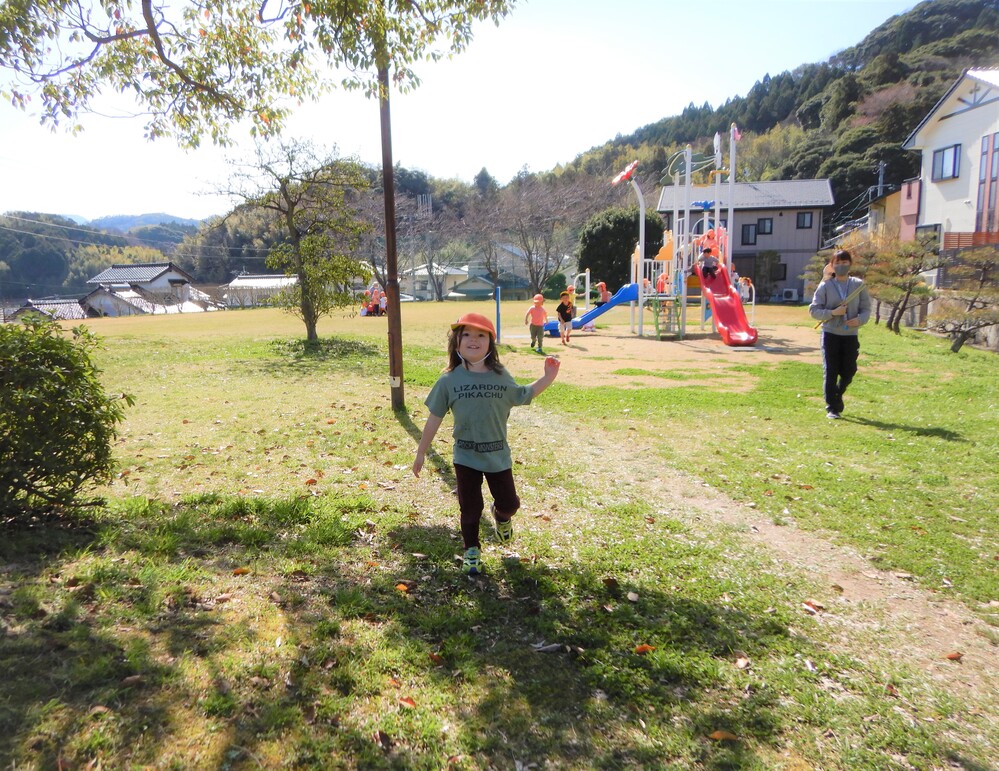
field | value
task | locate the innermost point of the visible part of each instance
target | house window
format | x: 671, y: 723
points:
x: 779, y: 272
x: 765, y: 226
x: 947, y: 163
x: 804, y: 220
x: 929, y: 231
x: 748, y: 235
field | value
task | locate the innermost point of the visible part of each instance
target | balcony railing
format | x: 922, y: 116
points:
x: 968, y: 240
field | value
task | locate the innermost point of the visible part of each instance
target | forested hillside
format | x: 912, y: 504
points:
x: 836, y: 119
x: 43, y: 255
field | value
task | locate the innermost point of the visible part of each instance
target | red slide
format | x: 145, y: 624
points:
x: 726, y: 308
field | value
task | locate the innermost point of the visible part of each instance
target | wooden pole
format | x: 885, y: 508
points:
x: 393, y: 305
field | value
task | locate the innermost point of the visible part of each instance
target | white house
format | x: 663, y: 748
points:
x: 416, y: 281
x: 956, y: 194
x: 144, y: 288
x: 249, y: 290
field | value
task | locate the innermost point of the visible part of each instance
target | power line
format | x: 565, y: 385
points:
x: 133, y: 240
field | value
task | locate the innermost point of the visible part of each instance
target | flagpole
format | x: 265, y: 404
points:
x: 733, y: 135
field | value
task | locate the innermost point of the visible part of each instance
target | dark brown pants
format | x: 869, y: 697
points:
x: 470, y: 501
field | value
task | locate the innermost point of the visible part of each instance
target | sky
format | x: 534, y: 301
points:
x: 553, y: 80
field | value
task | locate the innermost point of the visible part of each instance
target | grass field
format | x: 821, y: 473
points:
x: 269, y: 586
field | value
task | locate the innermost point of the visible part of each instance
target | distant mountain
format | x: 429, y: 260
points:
x: 125, y: 222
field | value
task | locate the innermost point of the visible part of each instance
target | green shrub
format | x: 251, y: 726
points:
x: 57, y: 425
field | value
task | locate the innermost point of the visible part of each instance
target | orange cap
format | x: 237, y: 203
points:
x: 477, y: 321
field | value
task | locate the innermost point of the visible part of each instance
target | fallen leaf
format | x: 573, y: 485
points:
x: 813, y: 606
x: 402, y: 588
x: 723, y: 736
x: 550, y: 648
x: 651, y: 520
x: 955, y: 656
x: 436, y: 658
x: 311, y: 482
x: 406, y: 701
x: 132, y: 680
x: 644, y: 648
x: 240, y: 571
x: 633, y: 596
x: 611, y: 583
x: 383, y: 739
x: 742, y: 660
x: 394, y: 683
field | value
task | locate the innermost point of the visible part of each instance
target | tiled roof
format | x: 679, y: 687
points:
x: 68, y: 310
x: 140, y: 273
x: 778, y: 194
x: 263, y: 281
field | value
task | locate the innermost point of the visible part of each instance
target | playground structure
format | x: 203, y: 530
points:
x: 666, y: 283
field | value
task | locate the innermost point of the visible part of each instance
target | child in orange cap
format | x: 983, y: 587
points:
x: 479, y: 392
x: 536, y: 318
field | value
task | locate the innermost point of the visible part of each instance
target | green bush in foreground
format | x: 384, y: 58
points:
x: 57, y: 425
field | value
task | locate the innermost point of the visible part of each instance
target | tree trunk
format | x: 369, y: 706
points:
x: 891, y: 316
x: 959, y: 340
x: 900, y: 311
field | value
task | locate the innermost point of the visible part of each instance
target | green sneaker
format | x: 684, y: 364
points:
x: 504, y: 530
x: 471, y: 562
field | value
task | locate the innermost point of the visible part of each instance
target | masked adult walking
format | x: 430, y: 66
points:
x: 842, y: 304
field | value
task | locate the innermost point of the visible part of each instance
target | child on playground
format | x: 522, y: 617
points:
x: 479, y: 392
x: 708, y: 262
x: 564, y: 311
x: 604, y: 294
x: 536, y: 319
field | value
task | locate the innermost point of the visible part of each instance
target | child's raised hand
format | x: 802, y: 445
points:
x: 551, y: 366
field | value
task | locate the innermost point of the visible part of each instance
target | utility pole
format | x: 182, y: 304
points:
x: 393, y: 306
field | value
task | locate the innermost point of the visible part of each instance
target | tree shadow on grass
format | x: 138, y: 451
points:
x: 547, y: 662
x: 63, y: 676
x: 565, y: 674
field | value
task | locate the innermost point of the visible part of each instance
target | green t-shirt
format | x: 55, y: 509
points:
x: 480, y: 403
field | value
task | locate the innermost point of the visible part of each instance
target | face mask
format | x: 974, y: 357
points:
x: 842, y: 270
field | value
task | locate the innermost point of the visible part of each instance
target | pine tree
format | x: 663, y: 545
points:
x: 969, y: 303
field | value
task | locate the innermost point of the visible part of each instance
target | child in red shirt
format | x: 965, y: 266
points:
x: 536, y: 319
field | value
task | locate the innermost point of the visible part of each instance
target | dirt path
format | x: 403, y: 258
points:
x: 862, y: 603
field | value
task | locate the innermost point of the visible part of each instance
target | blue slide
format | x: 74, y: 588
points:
x: 626, y: 294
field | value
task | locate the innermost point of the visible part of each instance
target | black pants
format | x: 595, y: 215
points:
x: 470, y: 500
x: 839, y: 364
